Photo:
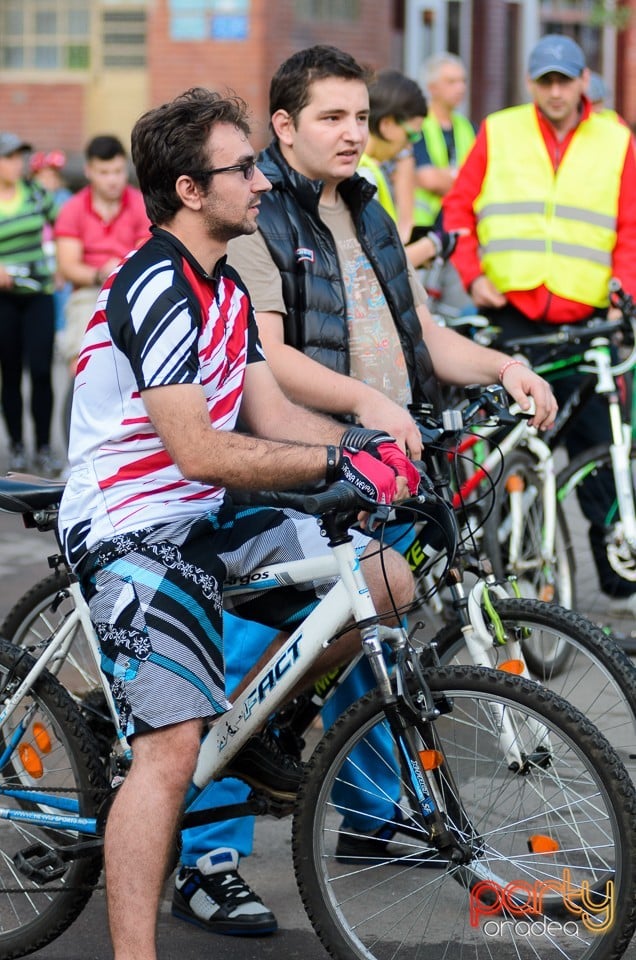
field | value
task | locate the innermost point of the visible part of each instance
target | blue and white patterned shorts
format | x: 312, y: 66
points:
x: 156, y: 601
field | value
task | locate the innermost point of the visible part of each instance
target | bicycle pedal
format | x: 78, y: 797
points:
x: 39, y: 863
x: 272, y: 806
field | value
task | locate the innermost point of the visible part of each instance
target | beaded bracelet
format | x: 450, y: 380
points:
x: 504, y: 367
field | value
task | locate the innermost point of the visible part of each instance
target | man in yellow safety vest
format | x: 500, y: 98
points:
x: 547, y: 195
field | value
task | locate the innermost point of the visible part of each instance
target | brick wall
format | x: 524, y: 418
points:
x: 48, y: 116
x: 246, y: 66
x: 61, y: 115
x: 625, y: 82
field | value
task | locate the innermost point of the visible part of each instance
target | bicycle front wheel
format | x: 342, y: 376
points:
x: 536, y: 839
x: 570, y: 656
x: 605, y: 560
x: 538, y: 577
x: 46, y: 878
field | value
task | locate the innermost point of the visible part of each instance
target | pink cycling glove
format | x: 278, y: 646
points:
x: 374, y: 480
x: 391, y: 454
x: 383, y: 446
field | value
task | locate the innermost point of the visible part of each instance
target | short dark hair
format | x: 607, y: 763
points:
x: 289, y: 89
x: 392, y: 94
x: 170, y: 141
x: 104, y: 147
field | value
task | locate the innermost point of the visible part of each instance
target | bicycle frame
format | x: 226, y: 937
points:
x: 520, y: 436
x: 603, y: 374
x: 349, y: 596
x: 349, y: 599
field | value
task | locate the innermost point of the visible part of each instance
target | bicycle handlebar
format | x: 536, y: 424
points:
x: 573, y: 334
x: 340, y: 497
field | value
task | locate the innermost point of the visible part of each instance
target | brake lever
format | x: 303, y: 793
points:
x: 378, y: 516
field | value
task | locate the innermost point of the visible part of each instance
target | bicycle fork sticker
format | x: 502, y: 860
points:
x: 593, y: 907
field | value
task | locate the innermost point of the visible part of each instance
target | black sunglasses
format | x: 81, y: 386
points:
x: 246, y: 167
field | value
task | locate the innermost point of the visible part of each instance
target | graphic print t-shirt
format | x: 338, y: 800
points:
x: 375, y: 351
x: 160, y: 320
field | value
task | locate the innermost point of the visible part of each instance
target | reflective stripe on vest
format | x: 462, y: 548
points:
x: 562, y: 231
x: 383, y: 196
x: 428, y: 205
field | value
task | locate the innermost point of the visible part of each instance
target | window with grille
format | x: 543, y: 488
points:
x: 49, y: 35
x: 123, y: 38
x: 45, y: 35
x: 326, y: 10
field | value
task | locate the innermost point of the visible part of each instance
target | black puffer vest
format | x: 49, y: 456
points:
x: 305, y: 254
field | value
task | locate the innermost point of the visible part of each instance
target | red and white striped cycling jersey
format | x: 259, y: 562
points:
x: 159, y: 320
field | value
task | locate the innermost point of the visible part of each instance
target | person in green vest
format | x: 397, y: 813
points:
x: 397, y: 108
x: 447, y: 136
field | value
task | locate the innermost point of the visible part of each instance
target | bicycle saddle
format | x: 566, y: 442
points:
x: 23, y: 493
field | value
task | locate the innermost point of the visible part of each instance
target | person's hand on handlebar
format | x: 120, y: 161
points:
x: 380, y: 412
x: 522, y: 384
x: 383, y: 447
x: 373, y: 480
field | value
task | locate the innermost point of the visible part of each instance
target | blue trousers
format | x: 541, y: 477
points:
x: 244, y: 642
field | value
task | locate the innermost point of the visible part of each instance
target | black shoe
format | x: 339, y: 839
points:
x: 380, y: 846
x: 215, y: 897
x: 263, y: 765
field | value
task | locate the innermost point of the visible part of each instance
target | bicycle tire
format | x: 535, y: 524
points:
x: 555, y: 582
x: 383, y: 907
x: 36, y: 615
x: 34, y: 911
x: 599, y: 679
x: 620, y: 557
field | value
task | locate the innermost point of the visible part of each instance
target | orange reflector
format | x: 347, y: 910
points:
x: 431, y: 759
x: 42, y: 738
x: 512, y: 666
x: 547, y: 593
x: 30, y: 760
x: 538, y: 843
x: 515, y: 483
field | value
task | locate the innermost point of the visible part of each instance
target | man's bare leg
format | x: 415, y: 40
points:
x: 140, y: 833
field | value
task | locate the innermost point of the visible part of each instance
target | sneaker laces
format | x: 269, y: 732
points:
x: 228, y: 889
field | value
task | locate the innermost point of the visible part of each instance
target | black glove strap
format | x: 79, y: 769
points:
x: 359, y: 438
x: 333, y: 462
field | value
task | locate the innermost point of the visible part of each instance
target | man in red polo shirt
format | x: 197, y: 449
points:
x: 95, y: 229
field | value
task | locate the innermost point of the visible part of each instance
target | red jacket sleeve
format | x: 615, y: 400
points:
x: 458, y: 209
x: 624, y: 257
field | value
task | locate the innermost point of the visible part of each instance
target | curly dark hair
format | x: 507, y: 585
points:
x: 289, y: 89
x: 170, y: 141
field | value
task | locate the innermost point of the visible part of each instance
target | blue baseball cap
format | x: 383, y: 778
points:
x: 556, y: 53
x: 12, y: 143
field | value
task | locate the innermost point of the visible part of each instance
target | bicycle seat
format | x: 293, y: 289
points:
x: 24, y: 493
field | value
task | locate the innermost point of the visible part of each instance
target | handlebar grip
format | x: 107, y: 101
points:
x: 339, y: 496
